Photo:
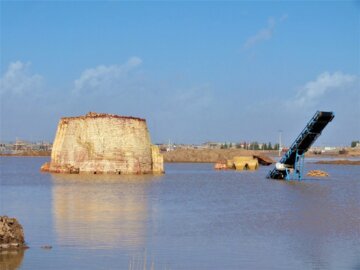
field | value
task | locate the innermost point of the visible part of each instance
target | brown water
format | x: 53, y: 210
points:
x: 190, y: 218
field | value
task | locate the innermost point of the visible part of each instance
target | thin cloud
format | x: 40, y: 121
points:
x: 18, y: 80
x: 312, y: 91
x: 265, y: 33
x: 102, y: 78
x: 192, y: 99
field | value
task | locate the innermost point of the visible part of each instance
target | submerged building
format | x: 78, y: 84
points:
x: 104, y: 143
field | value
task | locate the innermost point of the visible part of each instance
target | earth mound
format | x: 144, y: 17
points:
x: 11, y: 233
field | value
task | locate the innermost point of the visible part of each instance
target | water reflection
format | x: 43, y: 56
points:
x: 317, y: 209
x: 102, y: 211
x: 192, y: 218
x: 11, y: 259
x: 317, y: 215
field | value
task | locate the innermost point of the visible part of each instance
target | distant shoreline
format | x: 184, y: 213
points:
x: 216, y: 155
x: 29, y: 154
x: 208, y: 155
x: 339, y: 162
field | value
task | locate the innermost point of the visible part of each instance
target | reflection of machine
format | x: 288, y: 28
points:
x: 291, y: 164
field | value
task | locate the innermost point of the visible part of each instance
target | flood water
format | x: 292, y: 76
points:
x: 190, y: 218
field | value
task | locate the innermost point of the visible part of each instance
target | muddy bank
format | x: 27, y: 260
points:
x: 339, y: 162
x: 211, y: 155
x: 11, y: 234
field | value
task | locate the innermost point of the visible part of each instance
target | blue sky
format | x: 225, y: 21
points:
x: 197, y: 71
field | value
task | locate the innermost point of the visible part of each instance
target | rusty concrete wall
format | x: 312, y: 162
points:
x: 102, y: 143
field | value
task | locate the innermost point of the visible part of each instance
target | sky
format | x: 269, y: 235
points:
x: 196, y: 71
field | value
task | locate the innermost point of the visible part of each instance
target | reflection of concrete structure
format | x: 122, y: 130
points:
x: 104, y: 143
x: 103, y: 211
x: 11, y: 259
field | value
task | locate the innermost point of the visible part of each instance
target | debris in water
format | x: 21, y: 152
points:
x: 317, y: 173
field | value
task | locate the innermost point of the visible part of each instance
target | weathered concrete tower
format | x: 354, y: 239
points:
x: 104, y: 143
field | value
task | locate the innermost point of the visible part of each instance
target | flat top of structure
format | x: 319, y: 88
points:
x: 102, y: 115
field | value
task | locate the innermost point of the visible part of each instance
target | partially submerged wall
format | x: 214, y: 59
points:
x: 157, y: 160
x: 103, y: 143
x: 238, y: 163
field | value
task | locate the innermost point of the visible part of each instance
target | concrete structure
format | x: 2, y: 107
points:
x: 104, y: 143
x: 243, y: 163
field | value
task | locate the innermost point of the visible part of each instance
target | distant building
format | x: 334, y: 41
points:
x: 20, y: 146
x: 329, y: 148
x: 212, y: 145
x: 41, y: 146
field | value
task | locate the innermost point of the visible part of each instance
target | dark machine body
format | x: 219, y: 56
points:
x: 292, y: 161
